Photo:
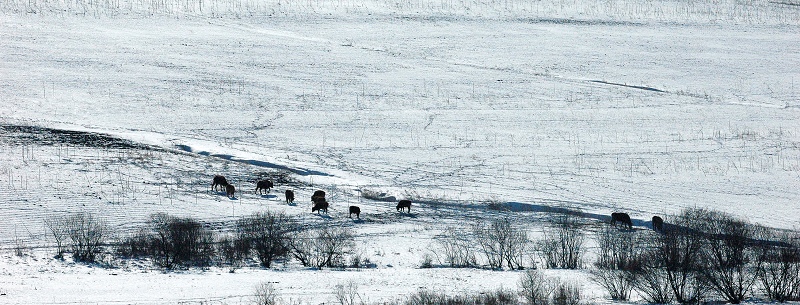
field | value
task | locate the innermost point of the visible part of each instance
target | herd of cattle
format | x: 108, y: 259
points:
x: 320, y: 204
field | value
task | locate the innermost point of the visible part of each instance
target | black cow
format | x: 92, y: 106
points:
x: 320, y: 205
x: 289, y: 197
x: 658, y: 224
x: 219, y: 180
x: 623, y: 218
x: 264, y: 185
x: 318, y: 195
x: 231, y: 191
x: 355, y: 210
x: 404, y: 204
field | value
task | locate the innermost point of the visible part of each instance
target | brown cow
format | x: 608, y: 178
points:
x: 404, y: 204
x: 320, y: 205
x: 355, y: 210
x: 624, y: 218
x: 658, y: 224
x: 289, y: 197
x: 264, y: 185
x: 219, y: 180
x: 318, y: 195
x: 230, y: 190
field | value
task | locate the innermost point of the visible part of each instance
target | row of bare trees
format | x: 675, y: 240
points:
x: 702, y: 254
x: 174, y: 242
x: 501, y: 244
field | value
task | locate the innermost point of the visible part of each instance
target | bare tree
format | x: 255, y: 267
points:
x: 535, y: 288
x: 729, y: 258
x: 616, y: 262
x: 780, y: 275
x: 180, y: 242
x: 562, y: 246
x: 347, y: 294
x: 566, y: 294
x: 501, y: 243
x: 266, y: 294
x: 56, y: 226
x: 455, y: 248
x: 87, y: 234
x: 267, y: 235
x: 677, y: 250
x: 324, y: 247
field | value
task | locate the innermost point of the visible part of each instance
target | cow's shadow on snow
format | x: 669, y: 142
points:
x: 268, y: 196
x: 323, y: 216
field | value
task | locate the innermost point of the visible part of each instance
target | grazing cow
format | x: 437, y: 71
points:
x: 355, y: 210
x: 231, y: 191
x: 219, y: 180
x: 623, y: 218
x: 289, y: 197
x: 264, y: 185
x: 318, y: 195
x: 404, y: 204
x: 320, y: 205
x: 658, y: 224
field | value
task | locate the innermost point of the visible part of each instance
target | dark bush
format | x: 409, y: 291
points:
x: 729, y: 258
x: 87, y: 234
x: 180, y: 242
x: 138, y: 245
x: 616, y: 262
x: 780, y: 275
x: 267, y: 235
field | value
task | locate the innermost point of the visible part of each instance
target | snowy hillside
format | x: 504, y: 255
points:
x: 476, y: 111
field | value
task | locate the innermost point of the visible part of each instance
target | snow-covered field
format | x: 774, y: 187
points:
x: 632, y: 106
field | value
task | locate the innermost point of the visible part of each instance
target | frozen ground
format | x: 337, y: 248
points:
x: 635, y: 111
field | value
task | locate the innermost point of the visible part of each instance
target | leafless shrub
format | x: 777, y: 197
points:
x: 347, y: 294
x: 501, y: 243
x: 428, y: 297
x: 454, y: 248
x: 535, y: 288
x: 567, y: 294
x: 616, y: 262
x: 674, y: 255
x: 87, y: 234
x: 136, y: 245
x: 56, y: 228
x: 326, y: 247
x: 780, y: 275
x: 729, y: 259
x: 234, y: 251
x: 180, y: 242
x: 19, y: 245
x: 266, y: 294
x: 267, y: 234
x: 427, y: 261
x: 562, y: 246
x: 650, y: 280
x: 617, y: 282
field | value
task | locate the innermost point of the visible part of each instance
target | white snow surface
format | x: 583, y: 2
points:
x: 601, y: 110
